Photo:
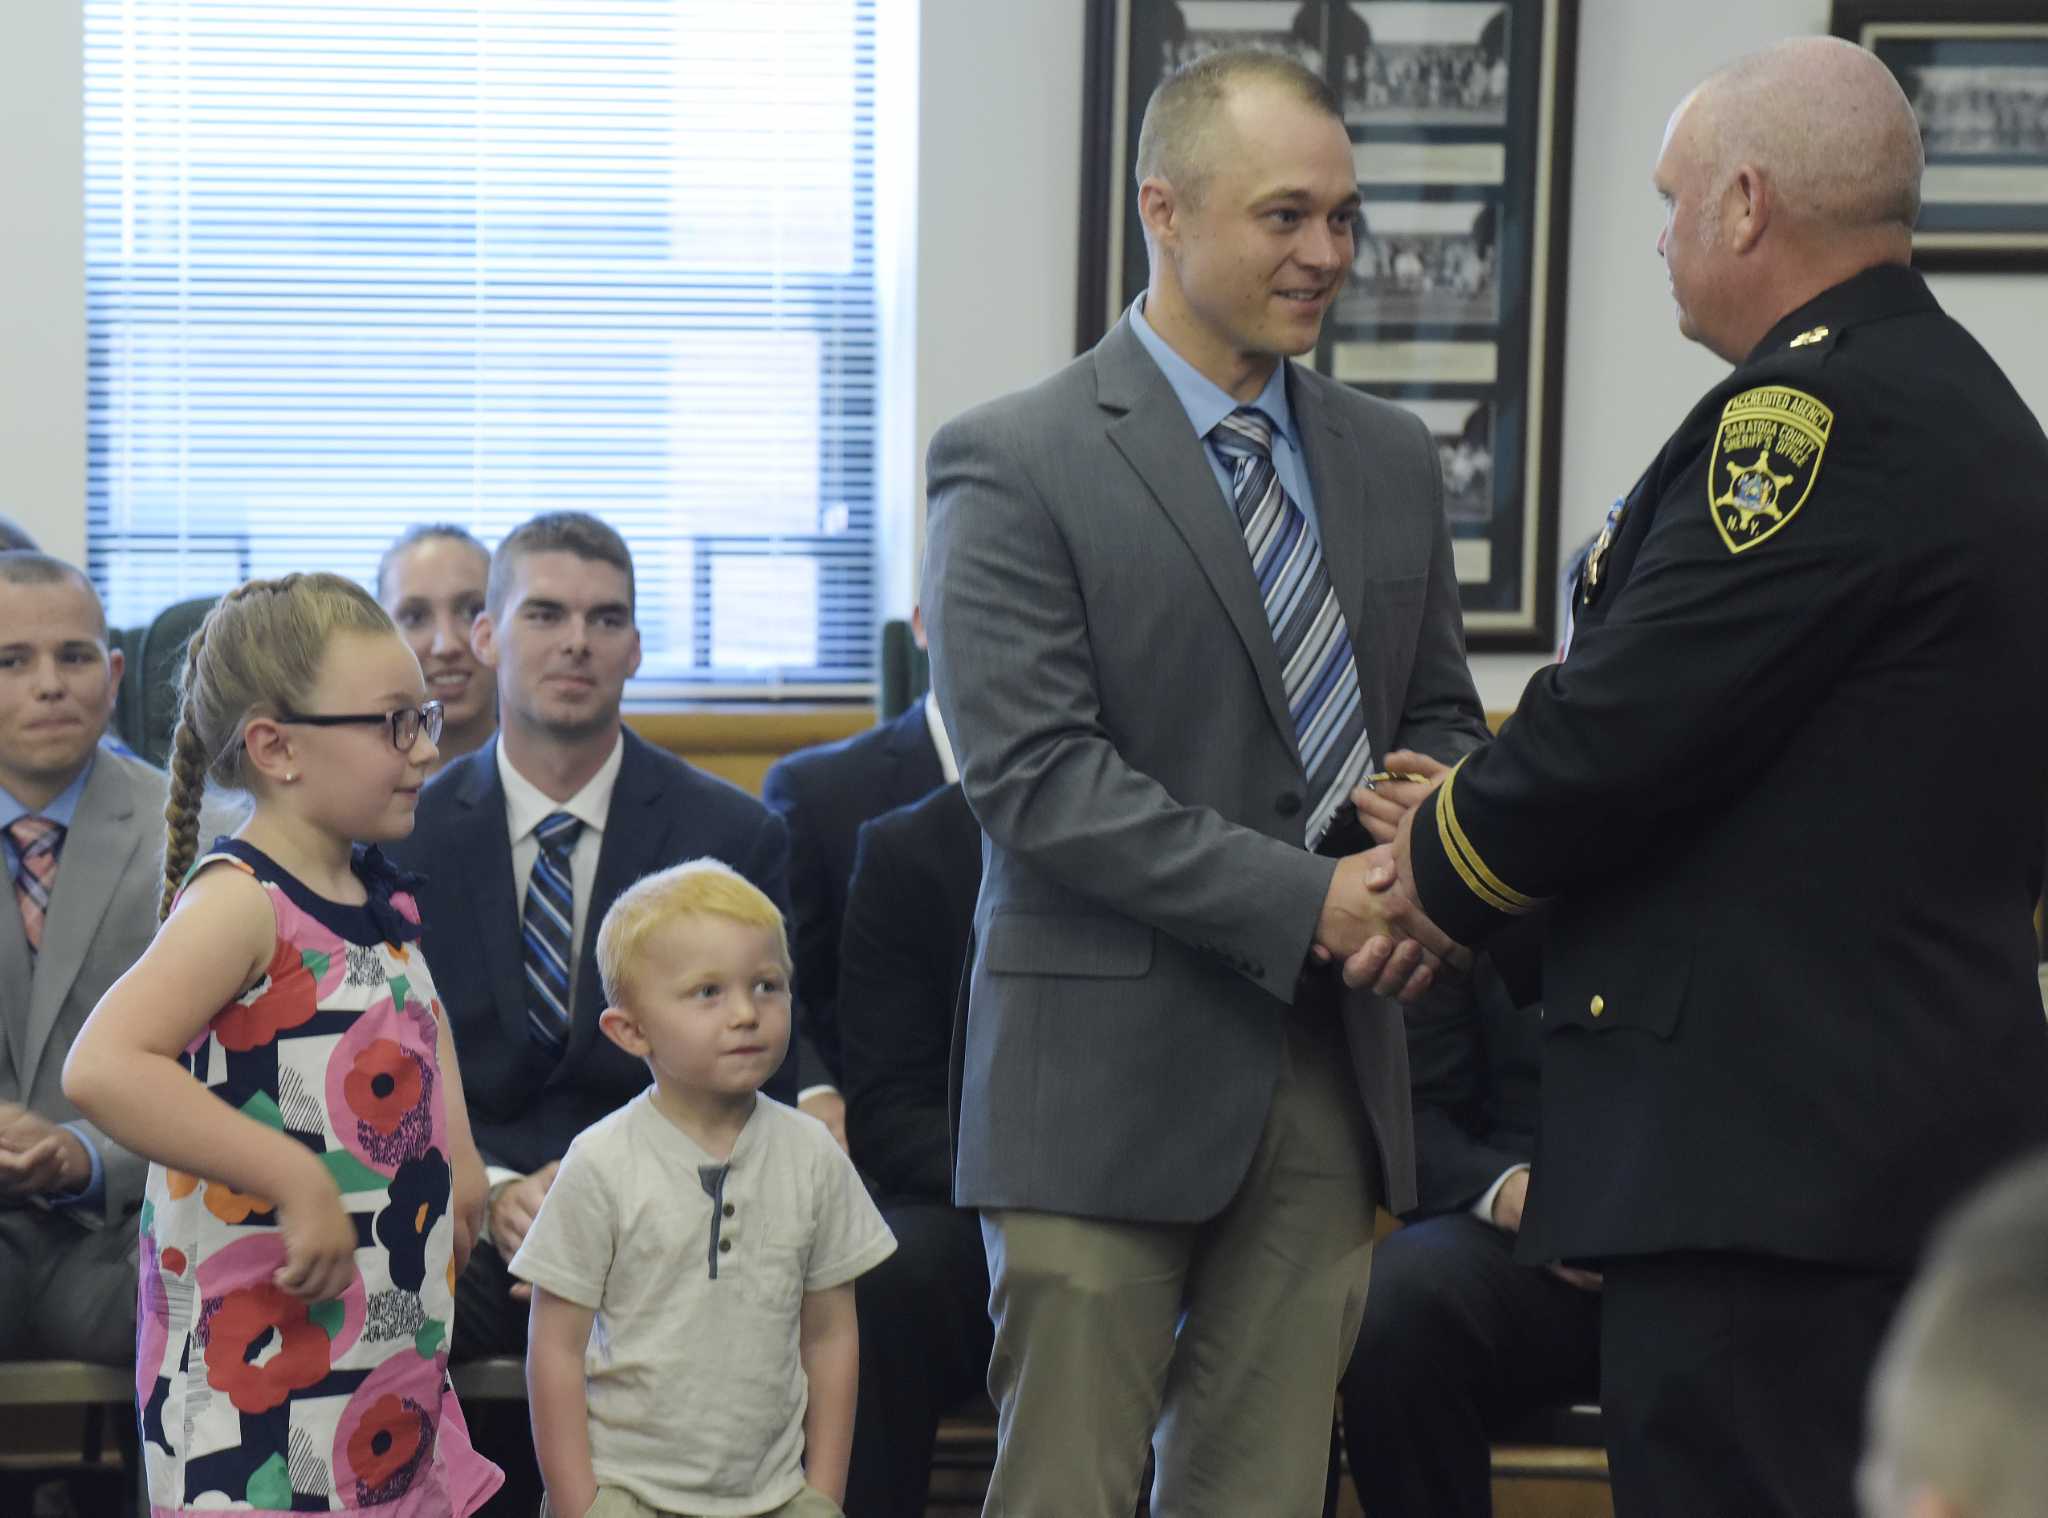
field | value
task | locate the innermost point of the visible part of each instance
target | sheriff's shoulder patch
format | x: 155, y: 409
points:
x: 1766, y: 457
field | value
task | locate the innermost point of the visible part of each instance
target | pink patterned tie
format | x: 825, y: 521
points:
x: 36, y: 839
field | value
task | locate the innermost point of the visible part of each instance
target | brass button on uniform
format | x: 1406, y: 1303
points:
x: 1598, y: 1006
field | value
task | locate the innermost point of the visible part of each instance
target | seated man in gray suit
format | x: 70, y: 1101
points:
x: 81, y: 828
x: 1174, y: 1119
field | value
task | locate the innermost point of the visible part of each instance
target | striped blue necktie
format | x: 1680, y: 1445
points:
x: 547, y: 925
x: 1309, y: 634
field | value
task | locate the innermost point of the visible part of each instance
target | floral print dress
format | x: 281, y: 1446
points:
x: 254, y: 1399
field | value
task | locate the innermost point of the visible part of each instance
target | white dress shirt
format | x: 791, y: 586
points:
x: 527, y: 806
x: 934, y: 724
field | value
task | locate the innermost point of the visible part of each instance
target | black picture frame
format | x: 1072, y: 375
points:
x: 1977, y: 74
x: 1460, y: 117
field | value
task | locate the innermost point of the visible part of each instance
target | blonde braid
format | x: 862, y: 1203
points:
x: 188, y: 771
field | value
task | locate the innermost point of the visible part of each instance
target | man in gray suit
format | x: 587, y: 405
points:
x: 82, y: 829
x: 1174, y: 1120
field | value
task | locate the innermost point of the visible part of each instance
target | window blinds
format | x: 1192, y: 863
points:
x: 352, y: 267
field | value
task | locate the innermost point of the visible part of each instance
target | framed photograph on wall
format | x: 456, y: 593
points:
x: 1976, y: 72
x: 1458, y: 112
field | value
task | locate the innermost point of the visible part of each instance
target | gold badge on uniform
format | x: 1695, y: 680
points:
x: 1766, y: 457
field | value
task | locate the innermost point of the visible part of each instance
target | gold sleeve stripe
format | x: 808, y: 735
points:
x: 1482, y: 882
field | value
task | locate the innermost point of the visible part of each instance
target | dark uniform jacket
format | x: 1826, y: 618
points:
x: 1786, y: 797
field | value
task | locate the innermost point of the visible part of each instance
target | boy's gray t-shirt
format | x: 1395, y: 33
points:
x: 696, y: 1390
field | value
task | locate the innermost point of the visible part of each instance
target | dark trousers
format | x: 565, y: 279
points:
x: 924, y: 1346
x: 489, y: 1324
x: 1457, y: 1340
x: 70, y: 1291
x: 1734, y: 1384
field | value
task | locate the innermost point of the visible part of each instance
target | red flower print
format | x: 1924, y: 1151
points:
x: 383, y: 1085
x: 287, y: 999
x: 250, y: 1322
x: 386, y: 1441
x: 174, y: 1261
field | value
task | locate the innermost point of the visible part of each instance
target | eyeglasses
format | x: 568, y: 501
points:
x: 405, y: 725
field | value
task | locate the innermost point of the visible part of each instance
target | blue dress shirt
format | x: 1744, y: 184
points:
x: 1208, y: 403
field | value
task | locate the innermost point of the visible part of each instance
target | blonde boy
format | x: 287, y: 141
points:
x: 693, y: 1349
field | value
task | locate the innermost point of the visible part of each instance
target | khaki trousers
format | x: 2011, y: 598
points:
x: 615, y: 1502
x: 1219, y: 1342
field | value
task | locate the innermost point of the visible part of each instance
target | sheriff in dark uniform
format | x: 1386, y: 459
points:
x: 1782, y: 803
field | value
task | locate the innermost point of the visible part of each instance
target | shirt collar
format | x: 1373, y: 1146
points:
x: 60, y: 810
x: 936, y: 726
x: 1205, y: 401
x: 527, y: 806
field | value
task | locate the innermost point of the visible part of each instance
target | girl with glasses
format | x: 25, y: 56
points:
x: 280, y: 1057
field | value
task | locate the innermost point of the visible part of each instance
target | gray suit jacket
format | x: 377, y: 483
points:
x: 1107, y: 674
x: 102, y: 916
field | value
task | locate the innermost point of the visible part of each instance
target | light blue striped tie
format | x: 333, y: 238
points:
x: 547, y: 925
x: 1309, y: 634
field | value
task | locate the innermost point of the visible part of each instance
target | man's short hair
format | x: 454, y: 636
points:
x: 698, y: 888
x: 1176, y: 138
x: 28, y: 566
x: 574, y: 532
x: 14, y: 536
x: 412, y: 537
x: 1959, y: 1401
x: 1830, y: 125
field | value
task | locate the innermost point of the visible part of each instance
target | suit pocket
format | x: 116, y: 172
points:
x: 1599, y: 992
x: 1065, y: 943
x: 1403, y: 590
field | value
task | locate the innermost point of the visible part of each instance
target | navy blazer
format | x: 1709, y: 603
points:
x: 909, y: 920
x: 524, y: 1105
x: 1472, y: 1064
x: 824, y: 794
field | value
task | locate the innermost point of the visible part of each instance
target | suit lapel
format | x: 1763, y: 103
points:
x: 96, y: 854
x: 482, y: 849
x: 1336, y: 475
x: 635, y: 843
x: 16, y: 984
x: 1153, y: 434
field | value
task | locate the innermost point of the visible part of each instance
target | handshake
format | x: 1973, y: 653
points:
x: 1371, y: 922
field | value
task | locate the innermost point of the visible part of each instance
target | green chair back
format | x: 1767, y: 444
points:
x: 903, y: 672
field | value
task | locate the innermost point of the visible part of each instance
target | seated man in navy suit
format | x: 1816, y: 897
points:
x: 523, y: 845
x: 1459, y: 1337
x: 824, y: 794
x: 925, y: 1330
x: 81, y: 829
